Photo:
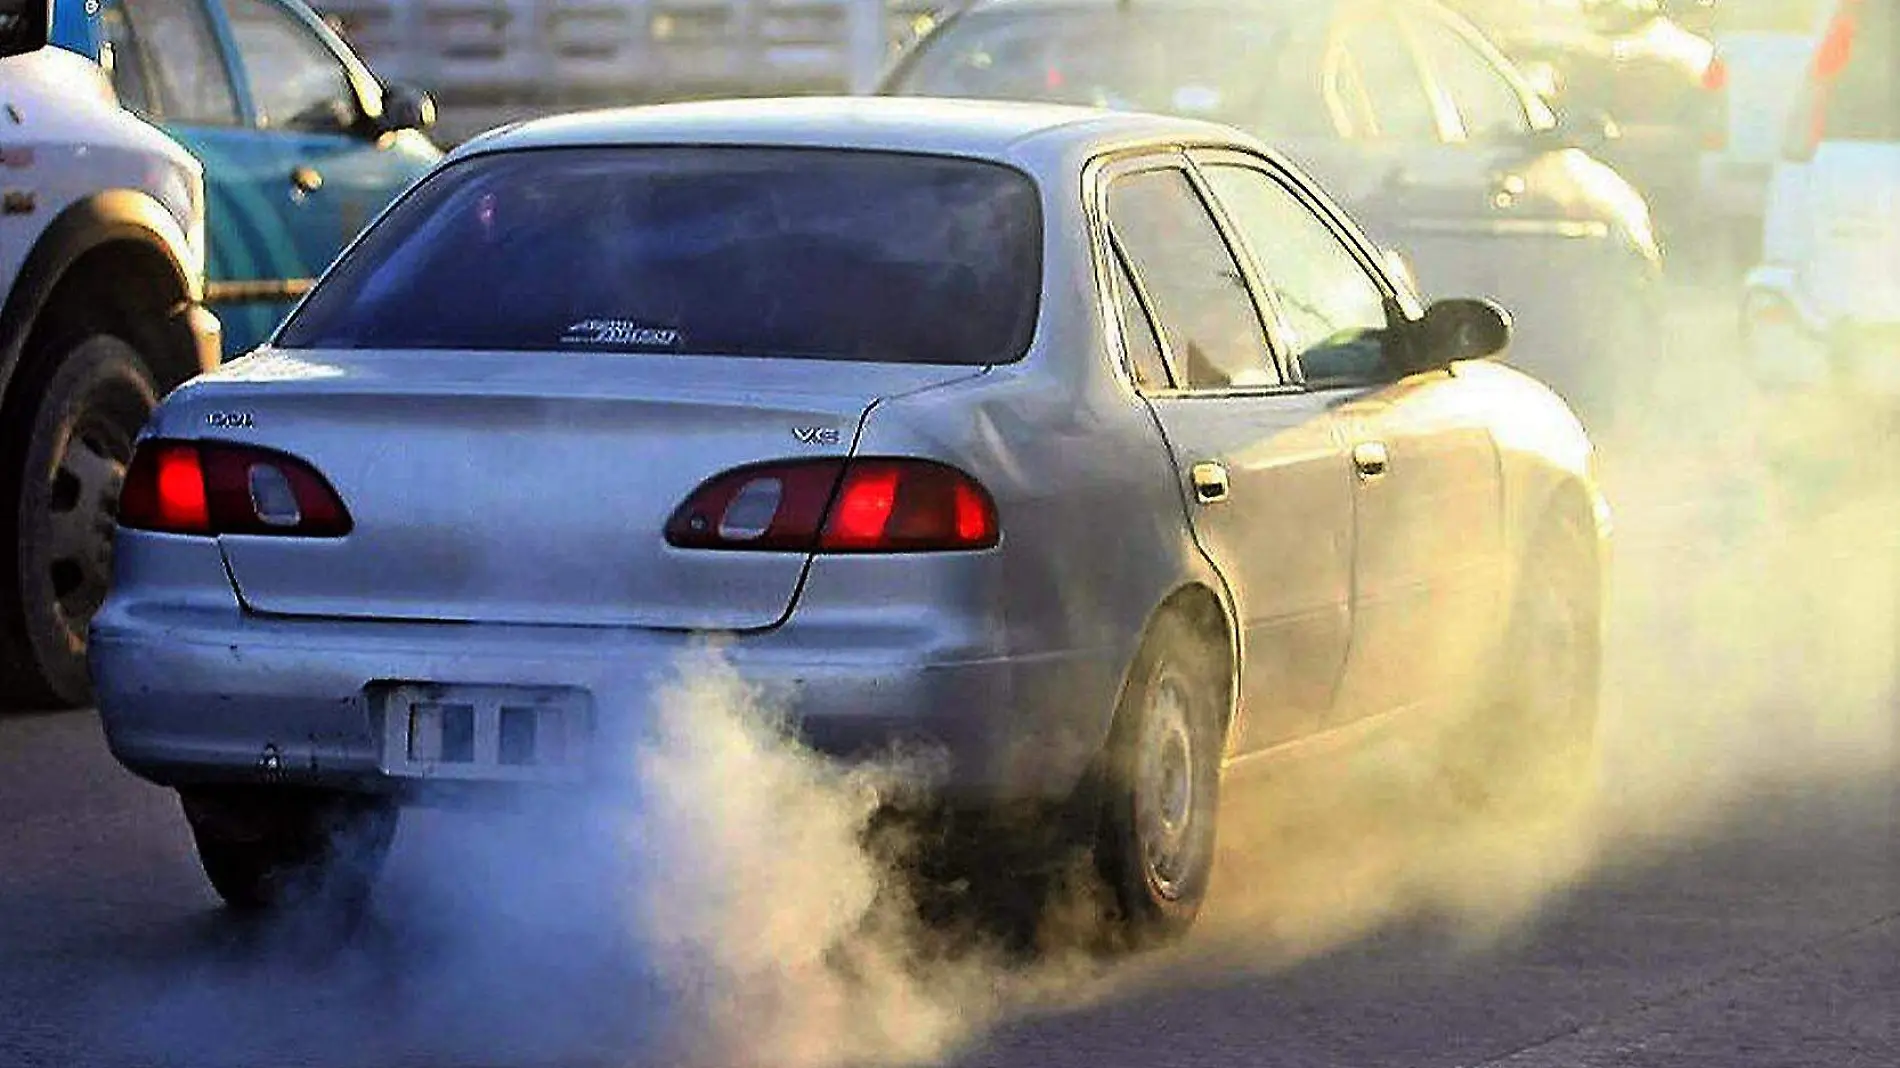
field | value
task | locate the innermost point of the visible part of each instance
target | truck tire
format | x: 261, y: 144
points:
x: 60, y: 470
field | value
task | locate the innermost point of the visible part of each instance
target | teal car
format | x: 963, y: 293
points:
x: 301, y: 143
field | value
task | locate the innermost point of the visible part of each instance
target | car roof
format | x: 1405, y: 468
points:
x: 983, y: 129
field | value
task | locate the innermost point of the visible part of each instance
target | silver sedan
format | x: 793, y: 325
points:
x: 1097, y: 453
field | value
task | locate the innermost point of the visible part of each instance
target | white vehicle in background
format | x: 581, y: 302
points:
x: 102, y: 261
x: 1822, y: 309
x: 1762, y: 49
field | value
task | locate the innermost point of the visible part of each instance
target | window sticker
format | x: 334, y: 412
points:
x: 623, y: 333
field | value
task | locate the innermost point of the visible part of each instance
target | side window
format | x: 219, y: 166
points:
x: 1150, y: 368
x: 1393, y: 86
x: 125, y: 64
x: 1207, y: 317
x: 296, y: 82
x: 1487, y: 104
x: 1335, y: 313
x: 181, y: 63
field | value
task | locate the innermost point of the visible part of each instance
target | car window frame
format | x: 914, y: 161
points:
x: 1104, y: 250
x: 1341, y: 37
x: 366, y: 90
x: 222, y: 53
x: 1403, y: 306
x: 1537, y: 117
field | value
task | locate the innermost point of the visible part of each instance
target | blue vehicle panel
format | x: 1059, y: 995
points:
x: 299, y: 141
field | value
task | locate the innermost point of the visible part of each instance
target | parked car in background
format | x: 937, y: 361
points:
x: 1649, y: 66
x: 1762, y: 49
x: 1403, y: 110
x: 301, y: 144
x: 1823, y: 307
x: 855, y: 385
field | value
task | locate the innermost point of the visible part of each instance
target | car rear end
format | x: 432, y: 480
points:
x: 1826, y: 305
x: 1761, y: 51
x: 569, y: 413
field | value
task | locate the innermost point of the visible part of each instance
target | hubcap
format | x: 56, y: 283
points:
x: 82, y: 504
x: 1165, y: 788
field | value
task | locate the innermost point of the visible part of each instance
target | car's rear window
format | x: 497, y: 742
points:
x: 738, y: 251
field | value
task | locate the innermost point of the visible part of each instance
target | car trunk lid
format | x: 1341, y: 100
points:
x: 489, y: 487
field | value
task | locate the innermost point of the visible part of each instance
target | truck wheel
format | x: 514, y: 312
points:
x: 1156, y: 844
x: 64, y: 463
x: 263, y: 849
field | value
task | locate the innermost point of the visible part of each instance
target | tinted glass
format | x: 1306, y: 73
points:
x: 127, y: 65
x: 1488, y: 107
x: 1390, y: 78
x: 1207, y: 315
x: 1334, y: 311
x: 184, y: 61
x: 716, y: 251
x: 296, y: 82
x: 1247, y: 72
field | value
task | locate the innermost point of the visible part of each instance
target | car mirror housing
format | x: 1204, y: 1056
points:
x: 1462, y: 328
x: 406, y: 107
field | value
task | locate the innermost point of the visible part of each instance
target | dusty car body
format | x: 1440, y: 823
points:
x: 1000, y: 435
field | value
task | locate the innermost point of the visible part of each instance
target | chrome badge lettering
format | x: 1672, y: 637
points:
x: 230, y: 420
x: 816, y: 435
x: 619, y: 332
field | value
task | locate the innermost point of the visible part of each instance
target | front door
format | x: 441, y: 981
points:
x: 1263, y: 471
x: 1427, y: 511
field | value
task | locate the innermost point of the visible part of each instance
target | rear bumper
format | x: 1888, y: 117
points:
x: 194, y: 691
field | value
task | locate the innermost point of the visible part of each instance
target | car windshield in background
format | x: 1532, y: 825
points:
x: 777, y: 252
x: 1223, y: 64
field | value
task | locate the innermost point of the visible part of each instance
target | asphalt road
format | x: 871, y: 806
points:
x: 1731, y: 900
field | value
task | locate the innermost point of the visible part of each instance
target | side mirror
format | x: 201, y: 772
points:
x: 1462, y: 328
x: 25, y: 26
x: 406, y: 108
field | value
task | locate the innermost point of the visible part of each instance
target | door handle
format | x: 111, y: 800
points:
x: 306, y: 179
x: 1210, y: 482
x: 1369, y: 459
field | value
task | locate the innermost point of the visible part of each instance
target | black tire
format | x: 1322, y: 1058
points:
x: 1531, y: 747
x: 265, y: 849
x: 1155, y: 844
x: 60, y: 469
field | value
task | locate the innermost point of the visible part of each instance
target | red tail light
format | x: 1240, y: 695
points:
x: 874, y: 505
x: 210, y: 488
x: 1808, y: 124
x: 1715, y: 75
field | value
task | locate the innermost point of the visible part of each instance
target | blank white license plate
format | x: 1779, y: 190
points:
x: 500, y: 733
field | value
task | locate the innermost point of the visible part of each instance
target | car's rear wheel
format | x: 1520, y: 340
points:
x: 1531, y: 747
x: 263, y: 848
x: 1155, y: 849
x: 71, y: 452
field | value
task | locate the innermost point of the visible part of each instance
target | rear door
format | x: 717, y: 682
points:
x: 1262, y: 467
x: 1428, y: 518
